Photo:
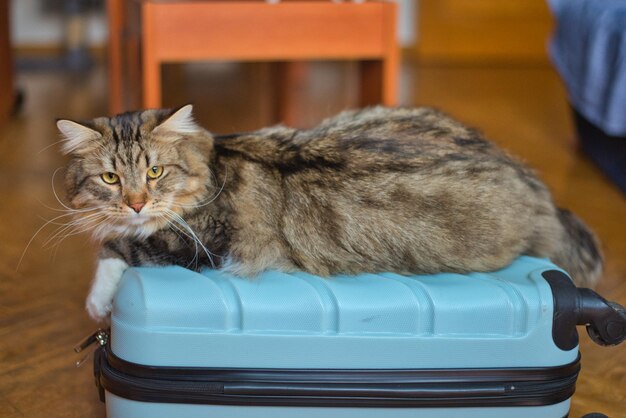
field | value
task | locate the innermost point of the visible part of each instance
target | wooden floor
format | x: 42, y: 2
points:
x: 41, y: 304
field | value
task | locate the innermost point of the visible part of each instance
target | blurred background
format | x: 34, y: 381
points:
x: 518, y: 70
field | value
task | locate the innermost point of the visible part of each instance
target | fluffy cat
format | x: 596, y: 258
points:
x: 380, y: 189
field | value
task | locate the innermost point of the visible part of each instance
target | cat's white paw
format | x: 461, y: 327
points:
x: 98, y: 309
x: 107, y: 278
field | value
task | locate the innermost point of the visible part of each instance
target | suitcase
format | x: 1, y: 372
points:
x: 498, y: 344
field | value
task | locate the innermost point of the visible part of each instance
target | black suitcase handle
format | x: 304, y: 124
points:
x: 605, y: 321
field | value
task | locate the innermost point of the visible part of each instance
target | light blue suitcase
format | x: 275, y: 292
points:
x: 500, y: 344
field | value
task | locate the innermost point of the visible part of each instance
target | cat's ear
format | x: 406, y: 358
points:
x: 77, y: 138
x: 179, y: 122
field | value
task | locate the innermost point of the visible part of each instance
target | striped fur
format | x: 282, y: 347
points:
x: 403, y: 190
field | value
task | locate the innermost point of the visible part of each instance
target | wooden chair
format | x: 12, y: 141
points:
x: 290, y: 32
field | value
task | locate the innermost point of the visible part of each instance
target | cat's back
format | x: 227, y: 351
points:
x: 415, y: 137
x: 376, y: 137
x: 408, y: 128
x: 393, y: 119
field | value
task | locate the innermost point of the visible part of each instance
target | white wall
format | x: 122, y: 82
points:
x: 407, y: 28
x: 31, y: 27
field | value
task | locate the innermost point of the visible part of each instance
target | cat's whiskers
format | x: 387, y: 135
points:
x: 82, y: 210
x: 177, y: 218
x: 55, y: 192
x: 79, y: 229
x: 51, y: 145
x: 75, y: 225
x: 66, y: 208
x: 41, y: 228
x: 103, y: 230
x: 196, y: 257
x: 176, y: 229
x: 53, y: 221
x: 65, y: 225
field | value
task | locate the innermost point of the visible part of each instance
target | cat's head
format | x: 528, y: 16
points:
x: 134, y: 172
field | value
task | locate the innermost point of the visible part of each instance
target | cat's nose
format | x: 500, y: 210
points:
x: 137, y: 206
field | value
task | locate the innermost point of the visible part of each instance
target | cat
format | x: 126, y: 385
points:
x: 410, y: 191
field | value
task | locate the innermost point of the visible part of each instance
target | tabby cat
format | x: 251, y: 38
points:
x: 401, y: 190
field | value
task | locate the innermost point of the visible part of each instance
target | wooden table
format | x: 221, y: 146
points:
x: 144, y: 34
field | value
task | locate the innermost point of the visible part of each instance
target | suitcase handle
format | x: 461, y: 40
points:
x: 605, y: 321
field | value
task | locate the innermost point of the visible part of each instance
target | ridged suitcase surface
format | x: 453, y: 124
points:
x: 295, y: 345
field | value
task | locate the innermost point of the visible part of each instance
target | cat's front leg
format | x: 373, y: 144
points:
x: 106, y: 280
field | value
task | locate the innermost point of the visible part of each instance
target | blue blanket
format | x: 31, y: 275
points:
x: 589, y: 51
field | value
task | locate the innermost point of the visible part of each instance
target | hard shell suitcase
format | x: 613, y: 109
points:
x: 499, y: 344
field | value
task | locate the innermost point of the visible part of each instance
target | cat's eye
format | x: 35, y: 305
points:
x: 155, y: 172
x: 110, y: 178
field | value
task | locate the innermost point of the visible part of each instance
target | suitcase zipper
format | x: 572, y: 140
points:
x: 100, y: 337
x: 366, y: 388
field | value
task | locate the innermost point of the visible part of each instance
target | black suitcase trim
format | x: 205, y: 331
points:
x: 335, y: 387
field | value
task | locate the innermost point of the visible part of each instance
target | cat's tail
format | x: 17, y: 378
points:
x: 580, y: 252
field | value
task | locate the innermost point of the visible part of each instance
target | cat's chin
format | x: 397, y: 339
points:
x: 139, y: 220
x: 134, y: 227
